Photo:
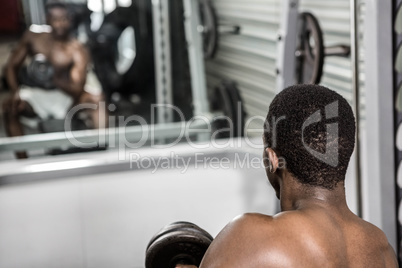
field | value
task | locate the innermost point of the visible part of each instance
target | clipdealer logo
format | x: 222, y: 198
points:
x: 174, y: 161
x: 330, y: 156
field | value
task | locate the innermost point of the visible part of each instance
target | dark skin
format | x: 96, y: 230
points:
x: 69, y: 59
x: 315, y: 229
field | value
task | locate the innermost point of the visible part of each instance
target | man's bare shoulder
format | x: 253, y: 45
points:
x: 250, y: 223
x: 79, y: 50
x: 256, y: 240
x: 31, y: 39
x: 376, y: 237
x: 247, y: 225
x: 76, y: 44
x: 36, y: 35
x: 244, y: 242
x: 28, y: 37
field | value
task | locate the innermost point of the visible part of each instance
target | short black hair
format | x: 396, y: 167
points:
x: 54, y: 4
x: 314, y: 133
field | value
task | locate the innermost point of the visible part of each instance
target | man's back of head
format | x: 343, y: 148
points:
x: 313, y: 129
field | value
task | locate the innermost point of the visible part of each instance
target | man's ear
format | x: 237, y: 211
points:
x: 273, y: 159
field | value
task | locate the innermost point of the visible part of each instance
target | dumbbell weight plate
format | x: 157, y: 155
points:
x: 41, y: 72
x: 174, y: 227
x: 310, y: 53
x: 173, y: 244
x: 227, y: 99
x: 209, y: 22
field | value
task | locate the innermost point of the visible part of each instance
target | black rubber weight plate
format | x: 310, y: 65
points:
x: 310, y: 64
x: 180, y: 242
x: 173, y: 227
x: 210, y: 24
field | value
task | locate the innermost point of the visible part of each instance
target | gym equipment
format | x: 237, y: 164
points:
x: 397, y: 93
x: 177, y: 243
x: 38, y: 73
x: 122, y: 51
x: 226, y: 98
x: 209, y: 31
x: 301, y: 32
x: 311, y: 52
x: 181, y: 79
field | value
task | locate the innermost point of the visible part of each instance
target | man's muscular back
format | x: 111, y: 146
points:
x: 312, y: 237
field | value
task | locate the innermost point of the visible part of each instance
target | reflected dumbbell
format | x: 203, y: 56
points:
x: 38, y: 73
x: 179, y: 243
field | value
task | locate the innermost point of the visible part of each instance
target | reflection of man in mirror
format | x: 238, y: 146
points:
x: 56, y: 75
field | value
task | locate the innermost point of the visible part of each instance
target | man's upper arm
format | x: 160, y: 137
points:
x: 78, y: 71
x: 238, y: 244
x: 19, y: 54
x: 390, y: 257
x: 16, y: 59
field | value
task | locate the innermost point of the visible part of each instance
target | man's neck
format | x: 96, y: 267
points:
x: 296, y: 196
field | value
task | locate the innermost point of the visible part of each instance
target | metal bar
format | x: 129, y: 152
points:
x: 397, y: 42
x: 196, y: 57
x: 34, y: 10
x: 339, y: 51
x: 354, y: 38
x: 228, y: 28
x: 27, y: 11
x: 103, y: 7
x: 143, y: 13
x: 287, y: 44
x: 92, y: 138
x: 378, y: 183
x: 164, y: 96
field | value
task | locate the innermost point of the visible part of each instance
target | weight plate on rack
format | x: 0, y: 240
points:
x: 227, y: 100
x: 209, y: 24
x: 310, y: 52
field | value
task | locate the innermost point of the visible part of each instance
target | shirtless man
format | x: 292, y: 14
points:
x: 69, y: 59
x: 315, y: 228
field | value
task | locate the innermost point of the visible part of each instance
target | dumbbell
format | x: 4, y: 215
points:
x: 38, y: 73
x: 178, y: 243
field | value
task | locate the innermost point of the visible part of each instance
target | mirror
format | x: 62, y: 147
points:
x: 128, y: 72
x: 120, y: 78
